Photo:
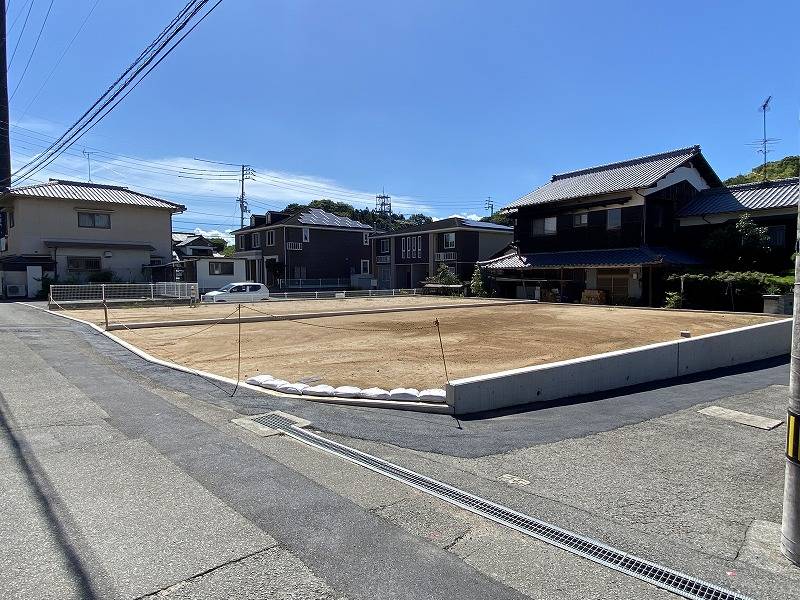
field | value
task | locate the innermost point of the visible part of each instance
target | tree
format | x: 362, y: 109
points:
x: 444, y: 277
x: 219, y: 244
x: 788, y: 166
x: 743, y: 245
x: 499, y: 219
x: 478, y: 283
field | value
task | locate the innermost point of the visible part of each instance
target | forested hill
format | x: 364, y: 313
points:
x: 788, y: 166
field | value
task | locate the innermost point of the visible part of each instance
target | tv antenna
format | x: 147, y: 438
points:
x: 765, y: 144
x: 88, y: 156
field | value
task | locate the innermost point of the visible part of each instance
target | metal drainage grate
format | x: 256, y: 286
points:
x: 665, y: 578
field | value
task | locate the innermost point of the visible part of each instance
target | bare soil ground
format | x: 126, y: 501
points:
x: 402, y: 349
x: 277, y: 307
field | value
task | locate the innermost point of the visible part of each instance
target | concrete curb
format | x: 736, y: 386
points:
x: 397, y: 405
x: 311, y: 315
x: 620, y: 368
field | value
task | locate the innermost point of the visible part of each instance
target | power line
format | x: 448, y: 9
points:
x: 58, y: 62
x: 132, y: 76
x: 22, y: 31
x: 33, y: 50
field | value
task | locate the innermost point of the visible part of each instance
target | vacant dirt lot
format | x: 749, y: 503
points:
x: 277, y: 307
x: 402, y: 349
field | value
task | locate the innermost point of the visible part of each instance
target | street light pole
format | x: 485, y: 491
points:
x: 790, y: 531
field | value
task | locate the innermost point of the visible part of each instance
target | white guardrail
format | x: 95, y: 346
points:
x: 108, y: 292
x: 331, y: 294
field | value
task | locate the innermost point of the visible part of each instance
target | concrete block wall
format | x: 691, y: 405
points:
x: 619, y: 369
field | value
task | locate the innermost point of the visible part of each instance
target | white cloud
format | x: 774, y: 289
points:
x: 215, y: 233
x: 471, y: 216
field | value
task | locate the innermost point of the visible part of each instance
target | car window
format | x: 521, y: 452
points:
x: 255, y: 288
x: 226, y: 288
x: 238, y: 289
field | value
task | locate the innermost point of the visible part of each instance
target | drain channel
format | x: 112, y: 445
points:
x: 665, y: 578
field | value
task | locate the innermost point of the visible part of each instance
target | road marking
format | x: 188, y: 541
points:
x: 741, y: 417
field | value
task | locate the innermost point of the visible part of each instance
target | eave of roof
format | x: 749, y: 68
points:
x: 604, y: 258
x: 763, y: 195
x: 632, y: 174
x: 451, y: 223
x: 62, y: 189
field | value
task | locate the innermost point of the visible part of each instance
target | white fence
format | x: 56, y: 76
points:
x: 329, y: 294
x: 118, y: 292
x: 311, y: 284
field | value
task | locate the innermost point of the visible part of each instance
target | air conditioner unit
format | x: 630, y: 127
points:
x: 15, y: 291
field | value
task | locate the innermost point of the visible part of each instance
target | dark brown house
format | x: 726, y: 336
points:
x: 402, y: 259
x: 311, y: 249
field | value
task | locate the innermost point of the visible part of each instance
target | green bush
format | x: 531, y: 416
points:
x: 673, y: 300
x: 478, y: 285
x: 728, y: 290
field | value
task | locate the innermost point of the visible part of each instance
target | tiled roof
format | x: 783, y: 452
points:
x: 744, y: 197
x: 612, y: 257
x: 449, y: 223
x: 317, y: 216
x: 313, y: 217
x: 631, y: 174
x: 93, y: 192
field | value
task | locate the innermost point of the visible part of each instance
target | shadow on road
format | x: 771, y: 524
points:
x: 64, y: 532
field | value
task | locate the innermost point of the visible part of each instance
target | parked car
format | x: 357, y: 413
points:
x: 238, y: 292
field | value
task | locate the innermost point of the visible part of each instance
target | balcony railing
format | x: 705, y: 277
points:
x: 446, y: 256
x: 294, y: 245
x: 382, y: 259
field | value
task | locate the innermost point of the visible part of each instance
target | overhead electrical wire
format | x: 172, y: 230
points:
x: 58, y: 62
x: 33, y: 51
x: 150, y: 58
x: 22, y: 31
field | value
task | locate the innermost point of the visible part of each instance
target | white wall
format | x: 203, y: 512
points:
x: 125, y: 264
x: 620, y: 369
x: 206, y: 282
x: 689, y: 174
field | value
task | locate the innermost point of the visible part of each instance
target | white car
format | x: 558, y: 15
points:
x: 238, y: 292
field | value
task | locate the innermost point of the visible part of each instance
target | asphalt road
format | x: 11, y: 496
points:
x: 122, y: 479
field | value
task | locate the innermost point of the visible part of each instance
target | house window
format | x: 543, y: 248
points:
x: 449, y: 240
x: 546, y: 226
x: 385, y: 245
x: 777, y: 236
x: 94, y: 220
x: 305, y: 234
x: 270, y: 238
x: 364, y: 267
x: 366, y: 238
x: 299, y: 272
x: 613, y: 218
x: 83, y: 263
x: 419, y: 245
x: 240, y: 242
x: 156, y: 261
x: 580, y: 220
x: 220, y: 268
x: 255, y: 240
x: 403, y: 241
x: 413, y: 242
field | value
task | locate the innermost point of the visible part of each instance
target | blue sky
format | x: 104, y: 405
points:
x: 440, y: 103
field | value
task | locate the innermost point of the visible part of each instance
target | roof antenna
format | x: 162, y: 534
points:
x: 88, y: 156
x: 765, y: 143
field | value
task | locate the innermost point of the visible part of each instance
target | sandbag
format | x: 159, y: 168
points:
x: 433, y: 395
x: 318, y: 390
x: 404, y: 394
x: 258, y: 379
x: 374, y: 393
x: 347, y: 391
x: 293, y: 388
x: 274, y: 384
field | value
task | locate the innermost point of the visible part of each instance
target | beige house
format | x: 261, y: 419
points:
x: 78, y: 232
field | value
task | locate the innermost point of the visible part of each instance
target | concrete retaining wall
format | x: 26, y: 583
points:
x: 619, y: 369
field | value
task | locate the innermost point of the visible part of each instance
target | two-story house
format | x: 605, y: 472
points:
x: 74, y: 231
x: 308, y: 249
x: 403, y: 258
x: 610, y: 228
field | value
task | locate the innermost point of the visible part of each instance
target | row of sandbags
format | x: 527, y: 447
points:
x: 347, y: 391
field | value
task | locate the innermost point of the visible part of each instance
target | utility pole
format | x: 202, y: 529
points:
x: 790, y: 530
x: 489, y: 205
x: 88, y: 156
x: 383, y: 208
x: 247, y: 172
x: 5, y: 121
